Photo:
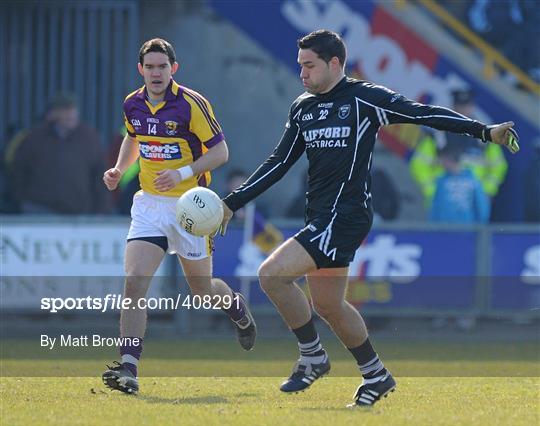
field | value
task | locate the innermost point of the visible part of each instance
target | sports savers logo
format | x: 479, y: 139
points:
x: 155, y: 151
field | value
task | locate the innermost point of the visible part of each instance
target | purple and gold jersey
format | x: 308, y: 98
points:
x: 172, y: 134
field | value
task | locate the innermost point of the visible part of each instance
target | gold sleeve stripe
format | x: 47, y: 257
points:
x: 133, y: 93
x: 202, y: 105
x: 201, y: 102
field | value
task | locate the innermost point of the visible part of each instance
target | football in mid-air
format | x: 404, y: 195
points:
x: 199, y: 211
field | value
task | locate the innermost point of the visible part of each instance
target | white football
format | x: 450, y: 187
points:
x: 199, y: 211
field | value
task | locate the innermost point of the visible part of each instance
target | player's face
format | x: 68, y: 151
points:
x: 316, y: 74
x: 157, y: 73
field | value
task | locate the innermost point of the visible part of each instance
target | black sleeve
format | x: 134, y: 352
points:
x: 287, y: 152
x: 391, y: 108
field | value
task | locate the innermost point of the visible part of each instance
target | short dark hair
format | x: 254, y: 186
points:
x: 157, y: 45
x: 326, y: 44
x: 451, y: 149
x: 63, y: 100
x: 462, y: 96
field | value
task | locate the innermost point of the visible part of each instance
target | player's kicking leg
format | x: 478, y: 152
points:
x: 276, y: 275
x: 199, y: 277
x: 142, y: 258
x: 327, y: 288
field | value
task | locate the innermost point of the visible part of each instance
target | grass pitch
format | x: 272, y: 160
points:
x: 461, y: 394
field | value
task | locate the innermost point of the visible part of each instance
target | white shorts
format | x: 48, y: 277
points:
x: 154, y: 216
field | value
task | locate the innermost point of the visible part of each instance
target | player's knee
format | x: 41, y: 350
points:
x: 328, y: 311
x: 264, y: 270
x: 270, y: 268
x: 135, y: 287
x: 267, y: 276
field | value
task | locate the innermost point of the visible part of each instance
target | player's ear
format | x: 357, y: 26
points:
x: 140, y: 68
x: 335, y: 62
x: 174, y: 67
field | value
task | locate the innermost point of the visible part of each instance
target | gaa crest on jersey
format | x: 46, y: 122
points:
x: 136, y: 123
x: 171, y: 127
x: 344, y: 111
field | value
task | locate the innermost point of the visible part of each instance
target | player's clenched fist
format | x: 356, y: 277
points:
x: 111, y: 178
x: 227, y: 216
x: 167, y: 180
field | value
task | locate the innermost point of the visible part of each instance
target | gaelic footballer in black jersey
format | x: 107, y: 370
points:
x: 337, y: 130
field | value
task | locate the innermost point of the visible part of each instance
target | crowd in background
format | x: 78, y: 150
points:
x: 56, y: 167
x: 510, y: 26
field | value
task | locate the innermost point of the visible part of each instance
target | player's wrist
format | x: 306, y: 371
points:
x: 486, y: 134
x: 185, y: 172
x: 229, y: 203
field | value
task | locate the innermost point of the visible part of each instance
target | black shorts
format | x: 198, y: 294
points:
x: 332, y: 241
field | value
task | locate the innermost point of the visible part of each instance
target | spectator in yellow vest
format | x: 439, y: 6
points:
x: 486, y: 161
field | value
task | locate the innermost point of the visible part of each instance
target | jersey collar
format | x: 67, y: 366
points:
x: 337, y: 87
x: 170, y: 93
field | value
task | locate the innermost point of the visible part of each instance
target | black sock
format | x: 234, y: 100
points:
x: 309, y: 342
x: 130, y: 351
x: 236, y: 311
x: 368, y: 361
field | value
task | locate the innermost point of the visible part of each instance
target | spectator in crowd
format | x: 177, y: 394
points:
x: 510, y: 26
x: 386, y: 198
x: 459, y: 197
x: 485, y: 161
x: 56, y: 167
x: 15, y: 134
x: 531, y: 186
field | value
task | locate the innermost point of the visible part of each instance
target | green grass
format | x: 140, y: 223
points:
x: 256, y: 401
x: 462, y: 395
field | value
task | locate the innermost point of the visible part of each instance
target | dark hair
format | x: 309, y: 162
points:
x: 451, y: 149
x: 157, y: 45
x: 462, y: 96
x: 326, y: 44
x: 63, y: 100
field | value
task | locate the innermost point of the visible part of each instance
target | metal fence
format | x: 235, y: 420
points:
x: 87, y: 48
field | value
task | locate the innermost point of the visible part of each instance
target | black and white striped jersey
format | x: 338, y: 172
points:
x: 338, y: 130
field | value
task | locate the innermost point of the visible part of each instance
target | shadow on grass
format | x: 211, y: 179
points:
x: 343, y: 409
x: 195, y: 400
x: 246, y: 395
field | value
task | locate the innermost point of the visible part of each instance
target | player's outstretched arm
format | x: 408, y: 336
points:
x: 391, y: 108
x: 212, y: 159
x: 126, y: 157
